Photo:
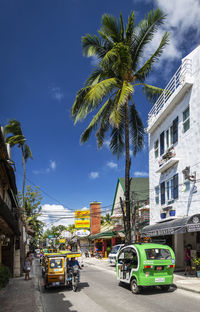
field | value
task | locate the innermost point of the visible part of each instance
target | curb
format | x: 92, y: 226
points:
x: 175, y: 283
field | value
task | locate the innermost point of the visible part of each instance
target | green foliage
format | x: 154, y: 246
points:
x: 108, y: 249
x: 57, y: 230
x: 196, y: 261
x: 5, y: 274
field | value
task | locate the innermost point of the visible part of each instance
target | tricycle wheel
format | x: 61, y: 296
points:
x: 165, y: 287
x: 134, y: 286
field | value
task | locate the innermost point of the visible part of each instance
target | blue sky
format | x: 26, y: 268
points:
x: 42, y: 68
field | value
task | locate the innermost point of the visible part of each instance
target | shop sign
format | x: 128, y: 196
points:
x: 81, y: 214
x: 82, y: 224
x: 194, y: 224
x: 82, y: 233
x: 62, y: 240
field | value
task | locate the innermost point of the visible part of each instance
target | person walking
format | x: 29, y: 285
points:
x: 27, y: 266
x: 188, y: 268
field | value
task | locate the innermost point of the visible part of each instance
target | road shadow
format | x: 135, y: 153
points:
x: 151, y: 290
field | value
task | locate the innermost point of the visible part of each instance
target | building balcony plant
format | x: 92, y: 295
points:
x: 168, y: 155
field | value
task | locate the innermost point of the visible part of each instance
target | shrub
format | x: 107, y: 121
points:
x: 108, y: 249
x: 4, y: 275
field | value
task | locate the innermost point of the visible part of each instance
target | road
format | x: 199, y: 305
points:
x: 99, y: 291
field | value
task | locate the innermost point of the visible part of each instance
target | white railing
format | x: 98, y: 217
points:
x: 177, y: 80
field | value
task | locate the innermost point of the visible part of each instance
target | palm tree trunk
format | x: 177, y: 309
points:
x: 127, y: 176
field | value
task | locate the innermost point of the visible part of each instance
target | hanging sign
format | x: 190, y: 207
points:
x: 80, y: 214
x: 82, y: 224
x: 82, y: 233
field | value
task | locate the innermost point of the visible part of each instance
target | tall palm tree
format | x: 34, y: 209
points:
x: 17, y: 138
x: 121, y: 54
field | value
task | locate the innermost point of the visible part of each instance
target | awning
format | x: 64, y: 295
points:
x: 176, y: 226
x: 102, y: 235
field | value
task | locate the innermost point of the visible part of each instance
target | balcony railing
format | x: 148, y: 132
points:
x: 177, y: 81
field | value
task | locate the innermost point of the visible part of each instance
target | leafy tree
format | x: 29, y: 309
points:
x: 106, y: 219
x: 17, y: 138
x: 32, y: 206
x: 122, y: 66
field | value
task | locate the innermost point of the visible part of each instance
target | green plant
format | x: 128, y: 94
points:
x: 196, y: 261
x: 108, y: 249
x: 4, y: 275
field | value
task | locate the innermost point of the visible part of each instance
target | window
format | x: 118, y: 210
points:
x: 186, y: 119
x: 158, y: 254
x: 167, y: 138
x: 175, y: 130
x: 157, y: 195
x: 170, y: 189
x: 156, y: 149
x: 162, y: 193
x: 162, y: 143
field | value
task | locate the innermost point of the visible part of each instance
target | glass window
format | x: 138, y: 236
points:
x: 186, y: 119
x: 175, y: 178
x: 167, y: 138
x: 175, y: 130
x: 162, y: 143
x: 157, y: 195
x: 115, y: 249
x: 158, y: 254
x: 162, y: 193
x: 56, y: 263
x: 156, y: 149
x: 170, y: 189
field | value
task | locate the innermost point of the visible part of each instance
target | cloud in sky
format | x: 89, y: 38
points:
x: 56, y: 93
x: 50, y: 168
x: 94, y: 175
x: 56, y: 215
x: 112, y: 165
x: 141, y: 174
x: 106, y: 143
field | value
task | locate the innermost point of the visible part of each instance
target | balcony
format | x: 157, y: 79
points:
x: 167, y: 160
x: 173, y: 92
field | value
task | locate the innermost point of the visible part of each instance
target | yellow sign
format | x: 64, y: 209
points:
x: 82, y: 224
x: 80, y: 214
x: 62, y: 240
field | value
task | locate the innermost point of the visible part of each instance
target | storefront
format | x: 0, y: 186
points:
x: 177, y: 233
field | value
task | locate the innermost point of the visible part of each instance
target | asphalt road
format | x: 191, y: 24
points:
x: 99, y: 291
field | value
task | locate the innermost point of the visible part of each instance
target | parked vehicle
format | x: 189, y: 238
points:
x: 143, y: 265
x: 114, y: 252
x: 37, y: 253
x: 57, y: 272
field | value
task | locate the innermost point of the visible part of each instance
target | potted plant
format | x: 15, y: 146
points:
x: 196, y: 261
x: 172, y: 213
x: 163, y: 215
x: 108, y: 249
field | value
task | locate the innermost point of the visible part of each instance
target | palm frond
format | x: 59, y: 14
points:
x: 93, y: 124
x: 27, y: 152
x: 143, y: 72
x: 136, y: 130
x: 152, y: 93
x: 13, y: 127
x: 144, y: 33
x: 130, y: 28
x: 117, y: 140
x: 79, y: 100
x: 16, y: 139
x: 92, y: 45
x: 125, y: 91
x: 122, y: 27
x: 111, y: 27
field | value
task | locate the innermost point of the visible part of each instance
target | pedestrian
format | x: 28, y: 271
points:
x: 27, y: 266
x: 188, y: 268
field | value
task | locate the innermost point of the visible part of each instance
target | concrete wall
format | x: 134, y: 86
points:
x: 187, y: 150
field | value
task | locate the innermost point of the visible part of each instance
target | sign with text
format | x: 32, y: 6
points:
x: 62, y: 240
x: 82, y: 224
x: 81, y: 214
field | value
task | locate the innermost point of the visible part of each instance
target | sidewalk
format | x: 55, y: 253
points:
x: 20, y: 295
x: 189, y: 283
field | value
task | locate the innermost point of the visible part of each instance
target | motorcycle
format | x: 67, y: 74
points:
x: 74, y: 277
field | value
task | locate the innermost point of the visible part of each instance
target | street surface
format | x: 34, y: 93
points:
x: 99, y: 291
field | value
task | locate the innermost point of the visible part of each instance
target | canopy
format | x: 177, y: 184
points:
x: 179, y: 225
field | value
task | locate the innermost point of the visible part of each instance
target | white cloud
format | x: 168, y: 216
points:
x: 56, y: 215
x: 50, y: 168
x: 141, y: 174
x: 56, y: 93
x: 107, y: 144
x: 112, y: 165
x: 94, y: 60
x: 94, y: 175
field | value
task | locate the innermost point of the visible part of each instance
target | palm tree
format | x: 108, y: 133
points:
x: 17, y: 138
x: 120, y: 52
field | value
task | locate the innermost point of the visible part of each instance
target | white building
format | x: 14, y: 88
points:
x: 174, y: 160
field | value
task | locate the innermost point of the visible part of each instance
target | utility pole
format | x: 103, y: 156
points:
x: 133, y: 218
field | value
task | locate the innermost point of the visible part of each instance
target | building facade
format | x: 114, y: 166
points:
x: 174, y: 162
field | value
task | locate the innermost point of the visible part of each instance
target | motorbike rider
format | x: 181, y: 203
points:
x: 74, y: 262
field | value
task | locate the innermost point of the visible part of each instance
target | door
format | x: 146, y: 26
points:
x: 127, y: 263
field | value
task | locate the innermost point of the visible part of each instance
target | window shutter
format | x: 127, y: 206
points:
x: 162, y: 143
x: 162, y: 193
x: 175, y: 180
x: 175, y: 130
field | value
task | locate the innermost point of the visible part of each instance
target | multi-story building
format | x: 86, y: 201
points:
x: 174, y: 160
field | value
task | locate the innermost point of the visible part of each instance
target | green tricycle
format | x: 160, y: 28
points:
x: 143, y: 265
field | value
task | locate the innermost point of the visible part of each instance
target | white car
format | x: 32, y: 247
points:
x: 114, y: 252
